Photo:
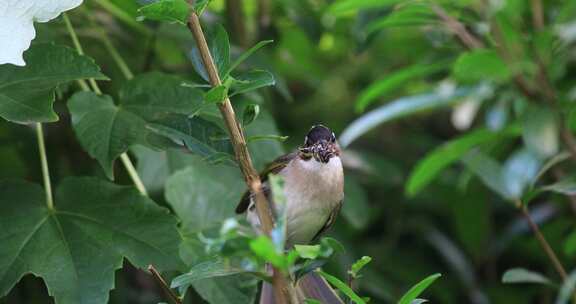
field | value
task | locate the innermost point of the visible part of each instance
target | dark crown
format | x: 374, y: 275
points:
x: 318, y: 133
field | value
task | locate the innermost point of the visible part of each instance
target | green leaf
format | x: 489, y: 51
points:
x: 567, y: 289
x: 308, y: 251
x: 399, y: 108
x: 570, y: 245
x: 334, y: 281
x: 209, y: 269
x: 358, y: 265
x: 436, y: 161
x: 264, y: 248
x: 521, y: 275
x: 312, y: 301
x: 200, y: 5
x: 167, y: 10
x: 245, y: 56
x: 203, y: 195
x: 566, y: 186
x: 356, y: 210
x: 219, y: 46
x: 199, y: 135
x: 27, y: 93
x: 216, y: 94
x: 409, y: 14
x: 417, y: 289
x: 480, y: 65
x: 250, y: 114
x: 394, y: 81
x: 344, y: 7
x: 519, y: 171
x: 251, y: 81
x: 488, y: 170
x: 277, y: 138
x: 539, y: 131
x: 77, y: 247
x: 106, y: 130
x: 278, y: 234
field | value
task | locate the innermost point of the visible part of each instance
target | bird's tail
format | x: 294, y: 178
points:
x: 310, y: 286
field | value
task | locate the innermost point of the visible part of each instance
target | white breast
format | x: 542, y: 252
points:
x: 312, y: 191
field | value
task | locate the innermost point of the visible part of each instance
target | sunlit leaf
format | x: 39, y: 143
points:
x: 308, y: 251
x: 27, y: 93
x: 216, y: 94
x: 205, y: 270
x: 393, y: 81
x: 343, y: 287
x: 358, y: 265
x: 343, y: 7
x: 417, y: 289
x: 399, y: 108
x: 480, y: 65
x: 409, y: 14
x: 77, y: 247
x: 167, y: 10
x: 521, y: 275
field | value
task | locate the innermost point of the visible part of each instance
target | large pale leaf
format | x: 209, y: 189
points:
x: 17, y: 19
x: 107, y: 130
x: 77, y: 247
x: 27, y: 93
x: 539, y: 130
x: 522, y: 275
x: 430, y: 166
x: 397, y: 109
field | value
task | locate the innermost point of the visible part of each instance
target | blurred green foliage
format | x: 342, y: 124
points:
x: 453, y: 116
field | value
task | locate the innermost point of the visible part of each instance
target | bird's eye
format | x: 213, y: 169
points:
x: 333, y: 139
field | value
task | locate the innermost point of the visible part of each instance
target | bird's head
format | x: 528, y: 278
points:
x: 320, y: 144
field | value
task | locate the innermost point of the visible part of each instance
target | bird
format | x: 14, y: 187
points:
x: 314, y: 191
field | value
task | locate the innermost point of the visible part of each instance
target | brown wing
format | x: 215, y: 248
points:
x: 272, y: 168
x: 330, y: 221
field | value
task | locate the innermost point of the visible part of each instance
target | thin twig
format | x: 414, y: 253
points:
x: 163, y: 284
x: 282, y: 288
x: 457, y: 28
x: 543, y: 242
x: 537, y: 14
x: 44, y: 165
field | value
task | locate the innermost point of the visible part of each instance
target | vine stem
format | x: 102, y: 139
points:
x: 283, y: 291
x: 124, y: 156
x: 44, y: 164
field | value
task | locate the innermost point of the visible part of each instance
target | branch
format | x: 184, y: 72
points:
x: 163, y: 284
x: 457, y: 28
x: 281, y: 286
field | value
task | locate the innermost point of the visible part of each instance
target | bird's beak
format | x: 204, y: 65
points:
x: 326, y: 150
